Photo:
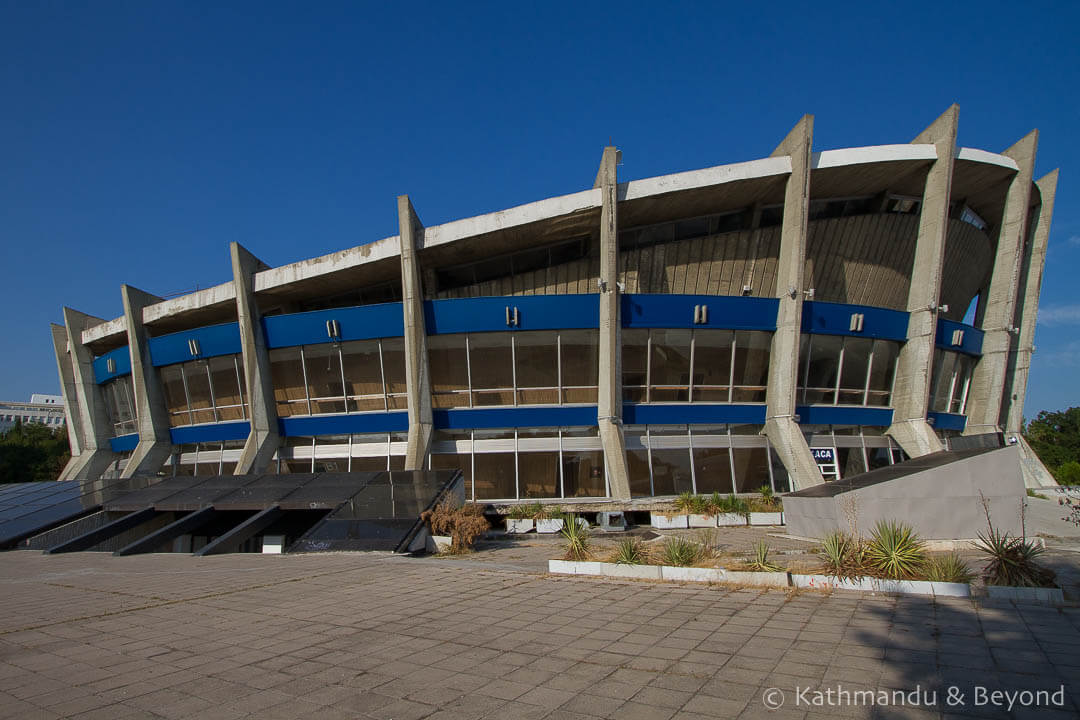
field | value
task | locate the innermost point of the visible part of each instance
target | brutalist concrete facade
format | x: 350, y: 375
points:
x: 781, y: 321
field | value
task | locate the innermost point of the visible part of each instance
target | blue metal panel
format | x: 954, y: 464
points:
x: 124, y: 443
x: 516, y: 417
x: 948, y: 421
x: 635, y: 414
x: 356, y: 323
x: 825, y: 318
x: 973, y: 337
x: 535, y: 312
x: 217, y: 432
x: 344, y: 424
x: 121, y: 356
x: 840, y: 415
x: 677, y: 311
x: 213, y: 340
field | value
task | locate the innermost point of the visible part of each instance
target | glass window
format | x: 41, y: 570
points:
x: 881, y: 372
x: 851, y: 460
x: 712, y: 365
x: 965, y: 364
x: 853, y: 373
x: 823, y: 363
x: 119, y: 404
x: 449, y: 371
x: 172, y: 381
x: 539, y: 474
x: 461, y: 462
x: 751, y: 371
x: 635, y: 356
x: 670, y: 366
x: 671, y: 463
x: 492, y: 370
x: 290, y: 391
x: 536, y: 362
x: 200, y: 399
x: 751, y: 468
x: 580, y: 354
x: 712, y: 470
x: 325, y: 386
x: 228, y: 393
x: 493, y: 475
x: 637, y: 463
x: 393, y: 358
x: 363, y: 376
x: 941, y: 389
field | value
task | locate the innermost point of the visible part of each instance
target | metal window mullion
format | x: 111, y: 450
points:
x: 517, y: 481
x: 558, y: 379
x: 806, y: 366
x: 472, y: 442
x: 689, y: 435
x: 468, y: 373
x: 244, y: 411
x: 341, y: 368
x: 348, y: 465
x: 562, y: 480
x: 303, y: 372
x: 869, y: 371
x: 187, y: 395
x: 839, y: 372
x: 648, y: 387
x: 690, y: 380
x: 213, y: 399
x: 513, y: 372
x: 221, y: 459
x: 388, y: 443
x: 731, y: 369
x: 731, y: 461
x: 382, y: 377
x: 952, y: 387
x: 768, y: 463
x: 648, y: 454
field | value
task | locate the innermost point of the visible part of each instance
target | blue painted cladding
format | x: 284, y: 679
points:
x: 516, y: 417
x: 677, y: 311
x: 356, y: 323
x: 535, y: 312
x: 839, y: 415
x: 825, y: 318
x: 213, y: 340
x: 973, y: 337
x: 634, y: 414
x: 120, y: 356
x: 124, y: 443
x: 344, y: 424
x: 217, y: 432
x: 948, y: 421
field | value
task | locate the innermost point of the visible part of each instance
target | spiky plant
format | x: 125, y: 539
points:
x: 947, y: 568
x: 576, y: 534
x: 679, y: 552
x: 685, y: 502
x: 761, y: 562
x: 841, y: 555
x: 630, y: 551
x: 895, y: 550
x: 1013, y: 561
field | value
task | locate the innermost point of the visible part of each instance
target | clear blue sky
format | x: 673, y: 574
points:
x: 138, y: 139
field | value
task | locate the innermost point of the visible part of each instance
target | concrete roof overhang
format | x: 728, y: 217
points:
x: 980, y: 178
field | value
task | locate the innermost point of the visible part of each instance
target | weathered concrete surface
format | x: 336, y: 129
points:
x: 93, y: 422
x: 152, y: 419
x: 417, y: 370
x: 911, y: 387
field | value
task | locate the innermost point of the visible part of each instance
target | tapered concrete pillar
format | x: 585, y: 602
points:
x: 609, y: 399
x: 263, y: 438
x: 71, y: 398
x: 155, y: 443
x: 911, y: 390
x: 1027, y: 305
x: 93, y: 428
x: 780, y: 426
x: 417, y: 373
x: 988, y: 381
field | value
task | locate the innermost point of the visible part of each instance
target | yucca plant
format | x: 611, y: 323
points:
x: 536, y: 511
x: 761, y: 562
x: 767, y: 495
x: 841, y: 555
x: 895, y: 550
x: 685, y: 502
x: 947, y: 568
x: 1012, y: 561
x: 630, y: 551
x: 576, y: 534
x: 679, y: 552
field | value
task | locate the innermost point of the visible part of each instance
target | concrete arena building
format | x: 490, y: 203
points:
x: 779, y: 321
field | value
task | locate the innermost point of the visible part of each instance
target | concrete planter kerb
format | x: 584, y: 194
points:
x: 675, y: 521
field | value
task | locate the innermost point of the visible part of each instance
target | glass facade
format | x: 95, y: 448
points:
x: 950, y: 381
x: 543, y: 367
x: 205, y: 391
x: 524, y: 464
x: 120, y: 405
x: 838, y: 370
x: 858, y: 449
x: 204, y: 459
x: 349, y: 377
x: 369, y: 452
x: 673, y: 459
x: 709, y: 366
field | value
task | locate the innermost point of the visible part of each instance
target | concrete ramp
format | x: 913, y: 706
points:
x: 940, y: 495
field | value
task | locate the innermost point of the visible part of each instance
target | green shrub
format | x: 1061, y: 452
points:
x: 1068, y: 473
x: 947, y: 568
x: 576, y: 534
x: 1032, y: 494
x: 895, y: 551
x: 680, y: 553
x: 630, y: 551
x: 842, y: 555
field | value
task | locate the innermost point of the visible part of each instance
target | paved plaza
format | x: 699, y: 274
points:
x: 381, y: 636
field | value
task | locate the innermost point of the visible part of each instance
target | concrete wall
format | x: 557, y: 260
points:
x: 941, y: 503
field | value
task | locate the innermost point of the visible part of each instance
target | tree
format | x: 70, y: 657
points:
x: 1055, y: 438
x: 32, y: 452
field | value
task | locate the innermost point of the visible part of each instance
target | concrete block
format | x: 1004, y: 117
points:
x: 690, y: 574
x: 549, y: 526
x: 669, y: 522
x: 518, y: 526
x: 766, y: 518
x: 701, y: 521
x: 636, y: 572
x: 730, y: 520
